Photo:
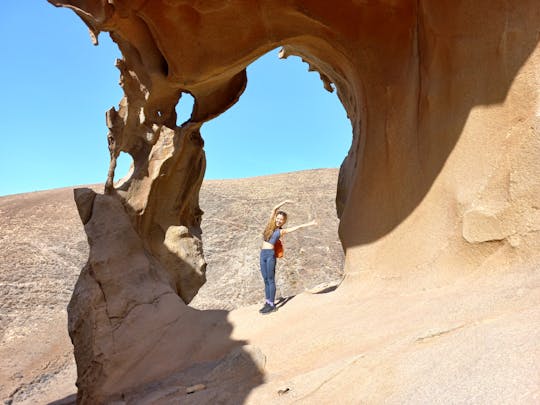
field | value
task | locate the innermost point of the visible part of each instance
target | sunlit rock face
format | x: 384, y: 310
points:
x: 443, y: 173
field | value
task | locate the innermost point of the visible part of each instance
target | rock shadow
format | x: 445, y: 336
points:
x: 282, y: 301
x: 228, y: 380
x: 458, y: 61
x: 68, y: 400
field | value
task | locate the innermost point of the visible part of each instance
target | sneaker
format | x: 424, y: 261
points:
x: 264, y: 308
x: 268, y: 309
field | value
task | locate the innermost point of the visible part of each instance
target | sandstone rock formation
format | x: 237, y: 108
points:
x: 442, y: 177
x: 124, y: 302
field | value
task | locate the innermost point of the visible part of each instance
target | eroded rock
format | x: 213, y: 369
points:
x: 483, y: 225
x: 442, y: 96
x: 126, y: 321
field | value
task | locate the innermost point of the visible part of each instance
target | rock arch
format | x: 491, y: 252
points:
x: 443, y: 100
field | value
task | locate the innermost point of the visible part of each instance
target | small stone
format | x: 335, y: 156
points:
x: 514, y: 241
x: 283, y: 391
x: 483, y: 225
x: 195, y: 388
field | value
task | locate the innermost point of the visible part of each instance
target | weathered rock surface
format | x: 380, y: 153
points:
x: 43, y: 248
x: 127, y: 303
x: 442, y: 179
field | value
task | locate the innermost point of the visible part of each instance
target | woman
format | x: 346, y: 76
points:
x: 272, y: 233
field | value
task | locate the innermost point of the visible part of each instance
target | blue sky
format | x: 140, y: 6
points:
x: 57, y: 86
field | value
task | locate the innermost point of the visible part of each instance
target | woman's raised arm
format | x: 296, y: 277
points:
x: 274, y: 210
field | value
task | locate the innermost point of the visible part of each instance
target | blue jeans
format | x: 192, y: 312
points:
x: 268, y: 271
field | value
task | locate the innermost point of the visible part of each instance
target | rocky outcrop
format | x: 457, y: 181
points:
x: 442, y: 175
x: 126, y: 321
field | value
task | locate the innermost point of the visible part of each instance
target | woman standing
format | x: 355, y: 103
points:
x: 272, y: 233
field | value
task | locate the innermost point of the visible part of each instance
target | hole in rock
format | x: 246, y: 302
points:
x: 284, y: 121
x: 184, y: 108
x: 295, y: 134
x: 124, y: 164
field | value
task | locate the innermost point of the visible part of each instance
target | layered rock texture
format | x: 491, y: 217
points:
x: 442, y: 179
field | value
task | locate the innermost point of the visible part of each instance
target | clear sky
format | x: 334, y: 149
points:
x: 56, y: 87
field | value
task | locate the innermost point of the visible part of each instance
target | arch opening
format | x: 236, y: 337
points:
x: 285, y: 102
x: 124, y: 167
x: 184, y: 108
x: 284, y: 139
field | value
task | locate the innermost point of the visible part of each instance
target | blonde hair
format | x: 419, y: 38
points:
x: 271, y: 225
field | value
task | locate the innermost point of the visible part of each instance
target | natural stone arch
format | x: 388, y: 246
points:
x: 285, y: 121
x: 415, y: 80
x: 153, y: 83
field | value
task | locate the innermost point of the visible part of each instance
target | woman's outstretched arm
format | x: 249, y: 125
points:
x: 274, y: 210
x: 297, y: 227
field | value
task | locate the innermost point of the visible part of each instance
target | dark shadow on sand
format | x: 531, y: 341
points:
x: 283, y: 301
x: 328, y: 289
